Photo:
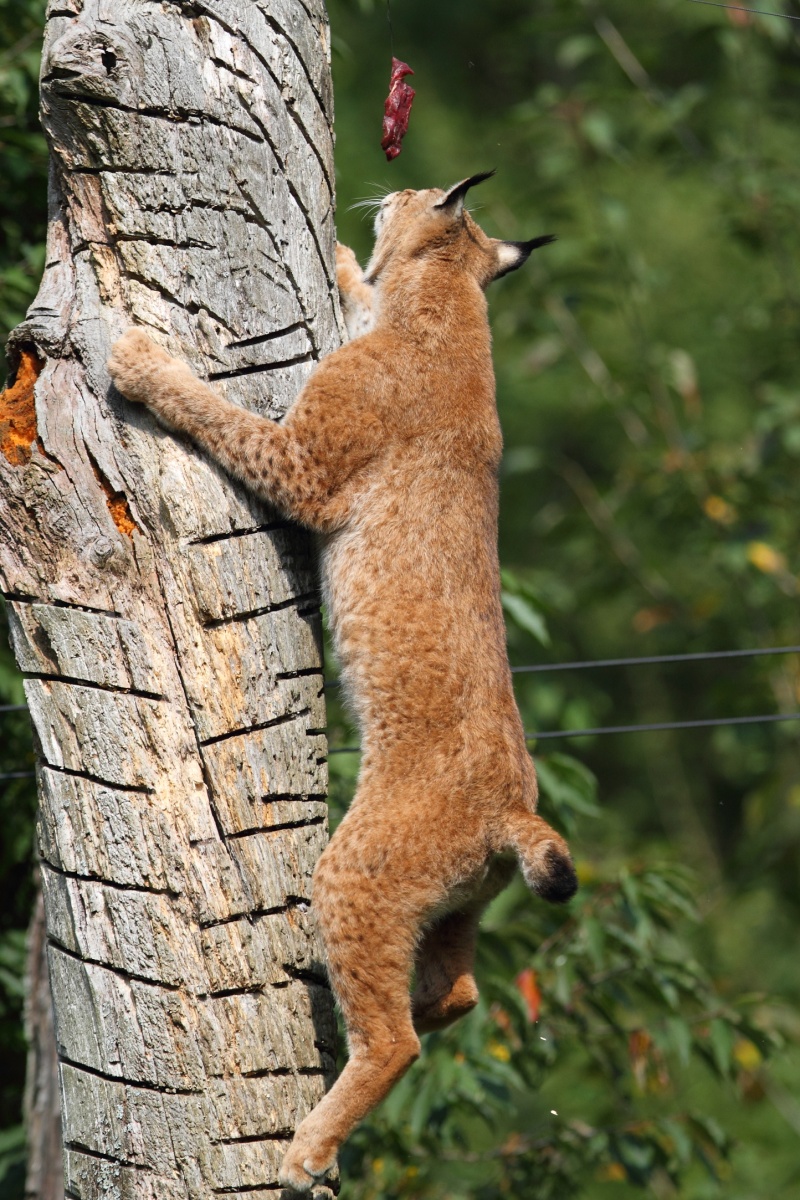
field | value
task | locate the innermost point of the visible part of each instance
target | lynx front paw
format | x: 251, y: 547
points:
x: 135, y: 360
x: 355, y: 295
x: 348, y: 271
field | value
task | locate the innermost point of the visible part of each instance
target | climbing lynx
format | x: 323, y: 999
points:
x: 391, y: 453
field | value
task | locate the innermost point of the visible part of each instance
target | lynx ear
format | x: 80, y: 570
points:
x: 511, y: 255
x: 453, y: 201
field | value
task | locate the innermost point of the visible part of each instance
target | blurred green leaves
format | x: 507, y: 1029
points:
x: 23, y: 160
x: 520, y: 604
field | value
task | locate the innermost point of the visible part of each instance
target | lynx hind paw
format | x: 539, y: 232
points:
x: 456, y: 1004
x: 303, y: 1171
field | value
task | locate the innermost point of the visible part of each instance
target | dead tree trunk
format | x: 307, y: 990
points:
x: 167, y: 623
x: 45, y: 1174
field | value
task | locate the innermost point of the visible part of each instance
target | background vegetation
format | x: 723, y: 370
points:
x: 646, y: 1039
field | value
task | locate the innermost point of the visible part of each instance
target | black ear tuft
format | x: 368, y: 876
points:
x: 511, y: 255
x: 453, y: 200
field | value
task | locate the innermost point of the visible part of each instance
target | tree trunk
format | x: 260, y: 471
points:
x: 167, y: 623
x: 45, y: 1174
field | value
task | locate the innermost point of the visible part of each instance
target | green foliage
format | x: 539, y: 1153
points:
x: 520, y: 605
x: 23, y: 160
x: 12, y: 1162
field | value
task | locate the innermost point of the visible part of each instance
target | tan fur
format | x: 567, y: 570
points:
x: 391, y: 452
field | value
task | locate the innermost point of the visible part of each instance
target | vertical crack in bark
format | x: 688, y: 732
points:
x: 116, y: 502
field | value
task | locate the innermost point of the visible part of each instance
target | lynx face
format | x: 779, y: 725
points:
x: 432, y: 223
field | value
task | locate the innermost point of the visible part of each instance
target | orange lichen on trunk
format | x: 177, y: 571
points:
x: 120, y: 511
x: 116, y: 502
x: 18, y: 411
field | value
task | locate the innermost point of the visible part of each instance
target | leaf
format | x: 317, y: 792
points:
x: 570, y: 786
x: 722, y: 1038
x: 525, y: 616
x: 678, y: 1039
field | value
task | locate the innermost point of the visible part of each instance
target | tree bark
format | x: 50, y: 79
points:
x: 45, y: 1174
x: 167, y: 623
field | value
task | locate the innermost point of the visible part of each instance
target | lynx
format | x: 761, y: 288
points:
x: 391, y: 454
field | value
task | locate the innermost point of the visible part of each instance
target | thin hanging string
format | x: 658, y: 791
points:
x: 389, y: 23
x: 739, y: 8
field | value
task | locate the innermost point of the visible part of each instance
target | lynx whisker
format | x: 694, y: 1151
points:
x: 368, y: 204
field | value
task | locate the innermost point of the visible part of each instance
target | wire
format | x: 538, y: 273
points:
x: 633, y: 662
x: 17, y: 775
x: 655, y: 727
x: 659, y: 725
x: 739, y: 8
x: 657, y: 658
x: 12, y: 707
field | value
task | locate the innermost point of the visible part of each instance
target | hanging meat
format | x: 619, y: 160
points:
x: 397, y: 109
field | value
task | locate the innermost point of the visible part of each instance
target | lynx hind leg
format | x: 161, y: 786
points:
x: 445, y: 984
x: 355, y: 294
x: 544, y: 858
x: 369, y: 946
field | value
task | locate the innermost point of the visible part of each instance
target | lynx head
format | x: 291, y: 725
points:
x: 430, y: 225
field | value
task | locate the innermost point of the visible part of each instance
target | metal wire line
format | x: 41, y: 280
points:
x: 760, y: 12
x: 653, y: 727
x: 657, y: 658
x: 702, y: 656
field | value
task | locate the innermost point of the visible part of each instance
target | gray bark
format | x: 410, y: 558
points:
x: 168, y: 623
x: 45, y: 1175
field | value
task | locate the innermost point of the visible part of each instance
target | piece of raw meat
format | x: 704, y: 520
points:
x: 396, y: 109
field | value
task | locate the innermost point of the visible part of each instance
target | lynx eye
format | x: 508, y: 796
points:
x: 383, y: 210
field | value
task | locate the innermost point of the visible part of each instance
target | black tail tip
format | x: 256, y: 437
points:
x: 558, y: 882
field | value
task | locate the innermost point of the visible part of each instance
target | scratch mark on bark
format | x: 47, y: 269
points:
x: 255, y: 368
x: 309, y: 599
x: 282, y: 720
x: 145, y: 1085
